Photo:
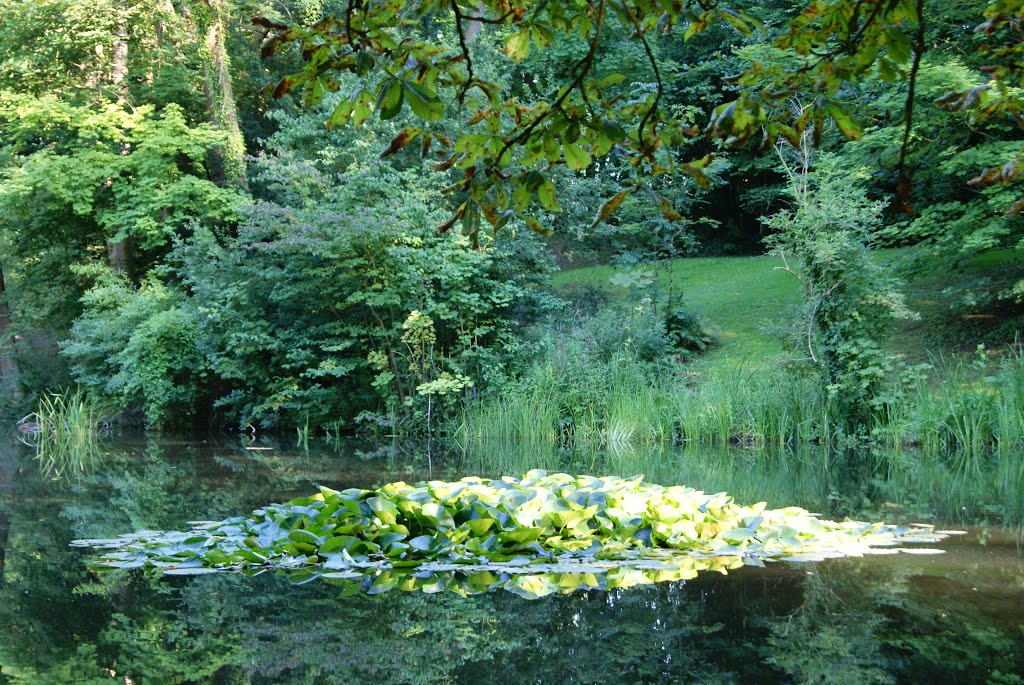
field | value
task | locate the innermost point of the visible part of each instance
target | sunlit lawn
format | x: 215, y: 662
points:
x: 748, y: 302
x: 745, y: 301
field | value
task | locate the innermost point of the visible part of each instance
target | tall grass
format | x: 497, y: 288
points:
x: 969, y: 409
x: 623, y: 403
x: 64, y: 429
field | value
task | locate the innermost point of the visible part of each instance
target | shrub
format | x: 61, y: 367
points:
x: 137, y: 347
x: 312, y: 314
x: 849, y: 299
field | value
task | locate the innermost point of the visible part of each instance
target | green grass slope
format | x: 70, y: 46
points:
x: 748, y: 302
x: 745, y: 301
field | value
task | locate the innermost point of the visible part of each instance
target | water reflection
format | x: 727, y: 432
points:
x: 954, y: 618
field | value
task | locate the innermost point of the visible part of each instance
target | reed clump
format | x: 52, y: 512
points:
x: 65, y: 431
x: 969, y: 408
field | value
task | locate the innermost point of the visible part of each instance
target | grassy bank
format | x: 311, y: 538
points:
x: 959, y: 407
x: 747, y: 390
x: 748, y: 302
x: 745, y: 300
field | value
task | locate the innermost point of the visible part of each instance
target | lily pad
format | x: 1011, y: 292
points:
x: 540, y: 534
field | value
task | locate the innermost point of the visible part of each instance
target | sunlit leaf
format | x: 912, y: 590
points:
x: 576, y: 157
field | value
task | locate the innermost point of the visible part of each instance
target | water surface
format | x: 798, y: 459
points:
x: 951, y: 618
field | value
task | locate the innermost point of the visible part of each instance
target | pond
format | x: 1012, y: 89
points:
x: 951, y: 618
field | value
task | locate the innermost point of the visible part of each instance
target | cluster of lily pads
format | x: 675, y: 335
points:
x: 543, y: 533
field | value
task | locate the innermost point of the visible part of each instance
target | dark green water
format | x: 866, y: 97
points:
x: 951, y: 618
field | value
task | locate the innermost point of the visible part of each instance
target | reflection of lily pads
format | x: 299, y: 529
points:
x: 534, y: 536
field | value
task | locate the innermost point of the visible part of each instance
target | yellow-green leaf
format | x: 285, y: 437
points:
x: 610, y: 205
x: 576, y: 157
x: 518, y: 45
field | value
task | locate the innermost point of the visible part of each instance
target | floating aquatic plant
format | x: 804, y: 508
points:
x: 543, y: 533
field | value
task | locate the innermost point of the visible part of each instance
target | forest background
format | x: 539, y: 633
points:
x: 291, y: 223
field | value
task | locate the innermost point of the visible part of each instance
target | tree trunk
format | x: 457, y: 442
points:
x: 220, y: 98
x: 119, y: 255
x: 118, y: 250
x: 5, y: 527
x: 119, y: 66
x: 6, y: 362
x: 5, y: 312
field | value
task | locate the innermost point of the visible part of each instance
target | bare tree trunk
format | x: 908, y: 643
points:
x: 93, y: 70
x: 119, y: 254
x: 119, y: 66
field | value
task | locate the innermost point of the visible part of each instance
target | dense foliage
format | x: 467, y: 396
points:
x: 849, y: 297
x: 324, y: 217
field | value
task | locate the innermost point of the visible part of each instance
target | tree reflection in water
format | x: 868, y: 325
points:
x: 954, y: 618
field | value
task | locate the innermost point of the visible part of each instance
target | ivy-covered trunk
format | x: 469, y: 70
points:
x: 229, y: 159
x: 849, y: 299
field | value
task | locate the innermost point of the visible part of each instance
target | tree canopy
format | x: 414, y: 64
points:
x: 511, y: 133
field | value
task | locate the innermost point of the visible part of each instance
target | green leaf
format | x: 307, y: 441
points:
x: 364, y: 62
x: 385, y: 510
x: 522, y: 535
x: 421, y: 543
x: 471, y: 221
x: 313, y: 94
x: 542, y: 35
x: 424, y: 103
x: 337, y: 543
x: 576, y: 157
x: 844, y: 120
x: 546, y: 194
x: 305, y: 537
x: 552, y: 148
x: 521, y: 197
x: 362, y: 107
x: 738, y: 534
x: 390, y: 98
x: 480, y: 526
x: 518, y: 45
